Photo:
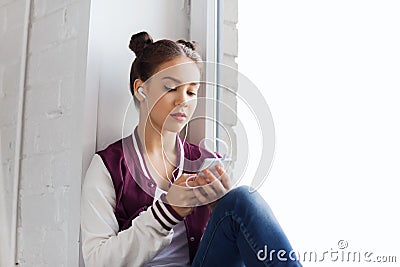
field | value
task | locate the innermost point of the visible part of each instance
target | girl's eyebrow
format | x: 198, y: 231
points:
x: 178, y: 81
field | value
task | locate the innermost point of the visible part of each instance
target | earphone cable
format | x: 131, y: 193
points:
x: 162, y: 143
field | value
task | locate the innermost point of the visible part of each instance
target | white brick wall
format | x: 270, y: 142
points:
x: 48, y: 224
x: 50, y: 177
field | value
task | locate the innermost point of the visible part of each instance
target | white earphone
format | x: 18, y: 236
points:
x: 140, y: 90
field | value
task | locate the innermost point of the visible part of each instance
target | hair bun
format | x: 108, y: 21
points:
x: 139, y: 41
x: 190, y: 44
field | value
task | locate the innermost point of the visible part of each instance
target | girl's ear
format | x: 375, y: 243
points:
x: 138, y: 83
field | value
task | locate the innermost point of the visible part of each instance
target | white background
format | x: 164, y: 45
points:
x: 329, y: 71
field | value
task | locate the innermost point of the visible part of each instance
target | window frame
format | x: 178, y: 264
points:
x: 207, y: 15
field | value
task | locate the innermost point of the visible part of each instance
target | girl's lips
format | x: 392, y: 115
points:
x: 178, y: 116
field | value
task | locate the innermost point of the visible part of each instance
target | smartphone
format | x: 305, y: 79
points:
x: 211, y: 163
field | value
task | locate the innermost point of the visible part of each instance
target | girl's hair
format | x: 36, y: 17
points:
x: 150, y: 55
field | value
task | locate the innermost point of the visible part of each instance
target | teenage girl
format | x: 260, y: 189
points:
x: 142, y: 206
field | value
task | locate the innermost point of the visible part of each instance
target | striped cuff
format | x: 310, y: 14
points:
x: 165, y: 214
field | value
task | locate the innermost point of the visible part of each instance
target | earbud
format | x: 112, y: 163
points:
x: 140, y: 90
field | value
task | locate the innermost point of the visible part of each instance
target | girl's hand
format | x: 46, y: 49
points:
x: 181, y: 197
x: 208, y: 188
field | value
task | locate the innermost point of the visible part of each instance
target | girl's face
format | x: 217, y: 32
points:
x: 172, y: 94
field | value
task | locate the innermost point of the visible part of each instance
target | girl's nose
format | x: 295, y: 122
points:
x: 181, y: 98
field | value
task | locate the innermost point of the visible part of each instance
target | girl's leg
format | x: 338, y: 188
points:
x: 243, y: 231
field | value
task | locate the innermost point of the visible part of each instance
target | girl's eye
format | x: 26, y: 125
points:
x: 170, y: 89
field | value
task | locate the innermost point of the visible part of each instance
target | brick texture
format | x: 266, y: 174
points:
x: 48, y: 232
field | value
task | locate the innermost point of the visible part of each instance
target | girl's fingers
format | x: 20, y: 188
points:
x: 202, y: 199
x: 192, y: 183
x: 214, y: 189
x: 182, y: 178
x: 205, y: 188
x: 225, y: 180
x: 212, y: 178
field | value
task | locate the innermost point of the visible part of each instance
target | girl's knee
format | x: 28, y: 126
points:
x: 242, y: 196
x: 246, y: 205
x: 242, y: 192
x: 245, y: 201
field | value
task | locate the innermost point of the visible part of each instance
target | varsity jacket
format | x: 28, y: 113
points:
x: 122, y: 222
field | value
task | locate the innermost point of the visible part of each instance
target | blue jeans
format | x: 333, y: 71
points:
x: 243, y: 231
